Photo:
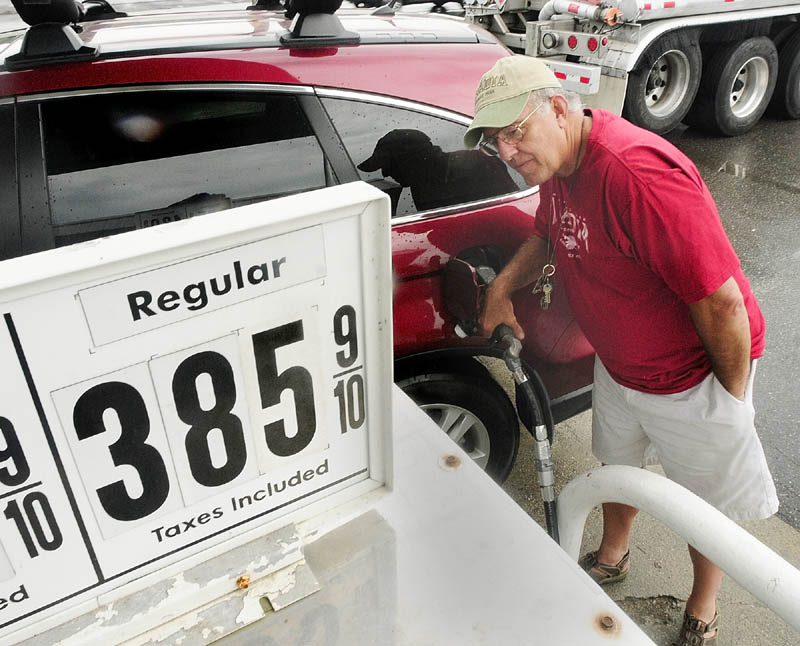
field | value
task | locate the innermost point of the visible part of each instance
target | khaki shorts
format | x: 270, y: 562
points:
x: 704, y: 438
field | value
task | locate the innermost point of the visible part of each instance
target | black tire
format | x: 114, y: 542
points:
x: 737, y: 85
x: 662, y: 86
x: 786, y: 99
x: 480, y: 405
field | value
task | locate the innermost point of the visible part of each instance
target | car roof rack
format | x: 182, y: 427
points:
x: 266, y: 5
x: 100, y: 10
x: 52, y: 36
x: 386, y: 9
x: 315, y: 25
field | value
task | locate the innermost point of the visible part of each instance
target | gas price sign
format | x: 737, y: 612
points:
x: 167, y: 390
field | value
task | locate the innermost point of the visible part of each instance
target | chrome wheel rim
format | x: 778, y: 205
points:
x: 748, y: 87
x: 667, y: 83
x: 464, y: 428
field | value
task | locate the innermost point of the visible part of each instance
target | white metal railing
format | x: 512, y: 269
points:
x: 754, y: 566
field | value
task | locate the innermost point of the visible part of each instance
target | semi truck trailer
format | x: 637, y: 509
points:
x: 718, y: 65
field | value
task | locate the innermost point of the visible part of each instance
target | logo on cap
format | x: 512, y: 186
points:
x: 487, y: 87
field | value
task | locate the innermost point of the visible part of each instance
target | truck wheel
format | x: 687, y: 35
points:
x: 475, y: 413
x: 663, y: 84
x: 737, y: 85
x: 786, y: 99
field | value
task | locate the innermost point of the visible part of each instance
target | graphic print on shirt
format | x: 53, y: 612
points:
x: 573, y: 233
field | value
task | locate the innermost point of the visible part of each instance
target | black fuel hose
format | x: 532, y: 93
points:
x: 531, y: 414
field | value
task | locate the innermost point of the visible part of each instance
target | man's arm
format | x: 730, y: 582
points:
x: 723, y: 326
x: 523, y: 269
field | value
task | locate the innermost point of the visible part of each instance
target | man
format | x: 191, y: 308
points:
x: 633, y: 236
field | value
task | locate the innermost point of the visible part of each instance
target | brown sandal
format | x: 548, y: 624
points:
x: 698, y: 633
x: 604, y: 574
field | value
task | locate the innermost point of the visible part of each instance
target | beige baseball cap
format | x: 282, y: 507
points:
x: 503, y: 92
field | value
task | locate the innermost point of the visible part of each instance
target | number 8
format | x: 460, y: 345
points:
x: 202, y: 422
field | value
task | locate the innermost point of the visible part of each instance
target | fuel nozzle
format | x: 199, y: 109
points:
x: 503, y: 337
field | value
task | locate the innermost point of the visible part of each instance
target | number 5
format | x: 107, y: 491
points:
x: 271, y: 384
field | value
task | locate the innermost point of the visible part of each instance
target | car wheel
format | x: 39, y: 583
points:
x: 663, y: 85
x: 786, y: 99
x: 475, y: 413
x: 737, y: 85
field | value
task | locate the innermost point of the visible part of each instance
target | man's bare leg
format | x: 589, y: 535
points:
x: 702, y: 602
x: 617, y: 523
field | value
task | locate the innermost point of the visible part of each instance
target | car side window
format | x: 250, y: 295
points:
x: 135, y: 159
x: 418, y: 159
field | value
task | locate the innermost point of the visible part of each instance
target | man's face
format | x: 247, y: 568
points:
x: 542, y: 150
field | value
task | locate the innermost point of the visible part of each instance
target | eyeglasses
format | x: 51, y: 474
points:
x: 511, y: 135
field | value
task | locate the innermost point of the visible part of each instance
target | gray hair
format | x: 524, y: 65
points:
x: 574, y: 102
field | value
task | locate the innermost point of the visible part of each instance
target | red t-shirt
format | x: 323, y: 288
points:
x: 637, y: 238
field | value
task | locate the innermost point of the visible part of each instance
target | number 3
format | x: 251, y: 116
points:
x: 129, y: 449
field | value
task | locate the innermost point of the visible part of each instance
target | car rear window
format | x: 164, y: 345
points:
x: 135, y: 159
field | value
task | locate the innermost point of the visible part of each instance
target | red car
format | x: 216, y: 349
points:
x: 110, y: 123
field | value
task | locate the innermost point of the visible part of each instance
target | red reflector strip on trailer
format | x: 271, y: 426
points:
x: 573, y: 8
x: 647, y: 7
x: 581, y: 79
x: 669, y: 5
x: 577, y: 77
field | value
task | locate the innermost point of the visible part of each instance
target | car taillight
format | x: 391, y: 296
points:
x: 572, y: 41
x: 592, y: 44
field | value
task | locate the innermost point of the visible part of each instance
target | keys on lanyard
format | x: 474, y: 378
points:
x: 544, y: 284
x: 544, y: 303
